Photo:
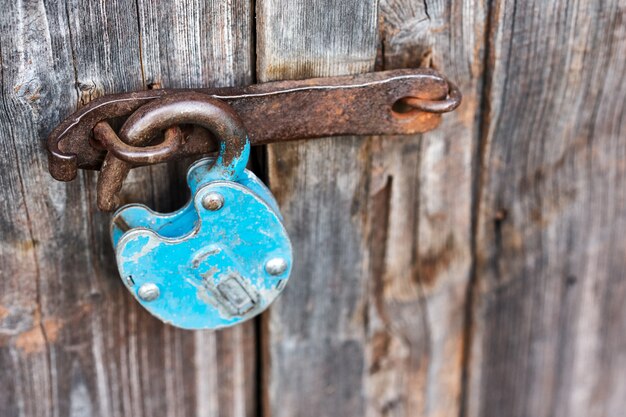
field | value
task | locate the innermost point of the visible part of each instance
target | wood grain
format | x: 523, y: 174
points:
x: 549, y: 316
x: 420, y: 219
x: 476, y: 270
x: 72, y: 341
x: 314, y: 335
x: 373, y: 319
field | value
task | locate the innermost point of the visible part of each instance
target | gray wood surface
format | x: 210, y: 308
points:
x: 474, y: 271
x: 315, y: 339
x: 549, y: 311
x: 72, y: 342
x: 374, y: 316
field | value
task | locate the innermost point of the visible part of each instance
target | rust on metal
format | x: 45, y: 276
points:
x: 437, y: 106
x: 271, y: 112
x: 114, y: 170
x: 129, y: 148
x: 146, y: 155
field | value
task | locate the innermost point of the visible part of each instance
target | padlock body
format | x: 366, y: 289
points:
x: 208, y: 266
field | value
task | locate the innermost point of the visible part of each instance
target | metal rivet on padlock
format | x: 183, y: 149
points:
x: 221, y: 259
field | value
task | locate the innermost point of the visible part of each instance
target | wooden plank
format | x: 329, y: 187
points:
x: 549, y: 314
x: 314, y: 337
x: 372, y: 321
x: 420, y: 219
x: 72, y: 342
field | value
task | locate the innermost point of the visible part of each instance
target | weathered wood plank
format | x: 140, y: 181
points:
x: 420, y: 219
x: 315, y: 333
x: 72, y: 342
x: 549, y: 315
x: 372, y: 322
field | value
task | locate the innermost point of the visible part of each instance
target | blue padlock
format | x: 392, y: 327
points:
x: 221, y: 259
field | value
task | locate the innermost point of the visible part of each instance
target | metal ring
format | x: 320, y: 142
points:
x: 146, y: 155
x: 158, y: 115
x: 451, y: 102
x: 182, y: 108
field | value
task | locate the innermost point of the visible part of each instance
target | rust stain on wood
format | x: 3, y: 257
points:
x: 26, y: 245
x: 428, y: 266
x: 4, y: 312
x: 286, y: 160
x: 39, y: 336
x: 379, y: 349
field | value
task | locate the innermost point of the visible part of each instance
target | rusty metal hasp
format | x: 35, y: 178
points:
x: 225, y: 256
x: 395, y: 102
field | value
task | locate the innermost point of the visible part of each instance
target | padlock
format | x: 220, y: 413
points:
x: 221, y: 259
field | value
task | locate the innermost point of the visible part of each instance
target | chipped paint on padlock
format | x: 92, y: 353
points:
x: 204, y: 267
x: 182, y: 221
x: 215, y: 274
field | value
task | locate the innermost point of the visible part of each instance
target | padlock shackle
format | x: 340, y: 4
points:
x: 149, y: 120
x: 192, y: 108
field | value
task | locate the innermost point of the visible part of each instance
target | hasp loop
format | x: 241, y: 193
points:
x: 132, y: 146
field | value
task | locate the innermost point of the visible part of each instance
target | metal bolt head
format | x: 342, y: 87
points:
x: 213, y: 201
x: 130, y: 281
x: 148, y: 291
x: 276, y: 266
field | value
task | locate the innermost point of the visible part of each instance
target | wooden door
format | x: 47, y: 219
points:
x: 477, y: 270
